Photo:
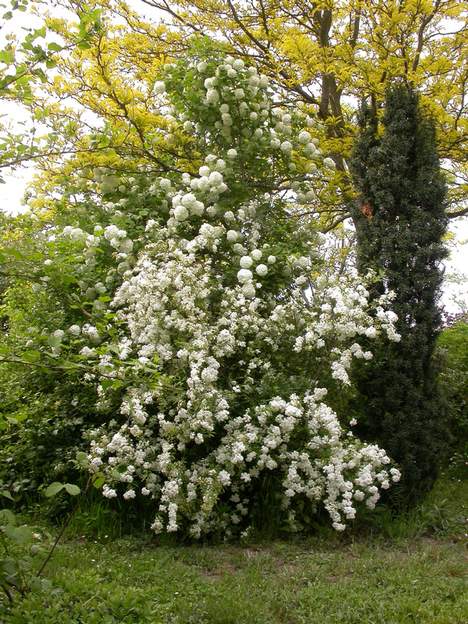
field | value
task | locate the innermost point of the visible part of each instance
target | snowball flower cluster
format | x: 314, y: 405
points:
x: 233, y: 342
x: 165, y: 304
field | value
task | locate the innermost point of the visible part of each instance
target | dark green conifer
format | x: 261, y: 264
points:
x: 400, y: 221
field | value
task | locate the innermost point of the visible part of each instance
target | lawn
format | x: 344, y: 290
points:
x: 349, y: 579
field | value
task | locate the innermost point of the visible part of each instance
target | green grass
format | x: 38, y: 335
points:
x: 358, y: 583
x: 408, y: 575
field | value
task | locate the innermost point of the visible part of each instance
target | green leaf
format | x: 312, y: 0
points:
x: 7, y: 517
x: 9, y: 568
x: 40, y: 73
x: 55, y: 47
x: 6, y: 494
x: 17, y: 418
x: 19, y: 535
x: 99, y: 482
x: 37, y: 584
x: 82, y: 458
x: 7, y: 80
x: 39, y: 32
x: 72, y: 489
x: 53, y: 489
x: 31, y: 356
x: 7, y: 56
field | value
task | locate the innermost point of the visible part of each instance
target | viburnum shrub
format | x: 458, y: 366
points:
x: 217, y: 341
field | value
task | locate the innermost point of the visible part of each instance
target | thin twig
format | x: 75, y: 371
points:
x: 63, y: 529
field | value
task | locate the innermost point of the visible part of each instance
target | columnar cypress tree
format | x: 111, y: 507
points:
x: 400, y: 220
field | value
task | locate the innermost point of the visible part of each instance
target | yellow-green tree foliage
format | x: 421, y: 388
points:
x: 324, y: 56
x: 329, y: 54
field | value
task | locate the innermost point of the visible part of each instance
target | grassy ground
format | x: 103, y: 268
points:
x: 409, y: 571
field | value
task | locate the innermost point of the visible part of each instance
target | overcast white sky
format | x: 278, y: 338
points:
x: 11, y: 193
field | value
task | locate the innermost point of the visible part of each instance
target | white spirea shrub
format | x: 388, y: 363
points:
x: 234, y: 343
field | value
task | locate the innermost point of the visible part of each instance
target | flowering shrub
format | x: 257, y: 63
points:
x: 244, y: 340
x: 214, y: 336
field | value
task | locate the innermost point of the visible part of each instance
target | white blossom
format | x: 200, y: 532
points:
x: 204, y: 345
x: 246, y: 262
x: 244, y: 275
x: 159, y: 87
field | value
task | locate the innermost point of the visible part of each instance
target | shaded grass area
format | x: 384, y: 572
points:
x: 128, y: 581
x: 405, y: 570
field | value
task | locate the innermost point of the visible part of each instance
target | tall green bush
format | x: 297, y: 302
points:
x: 400, y: 223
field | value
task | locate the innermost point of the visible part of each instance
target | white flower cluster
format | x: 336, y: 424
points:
x: 168, y: 307
x: 245, y: 340
x: 241, y: 97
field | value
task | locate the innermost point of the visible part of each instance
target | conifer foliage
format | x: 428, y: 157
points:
x: 400, y: 223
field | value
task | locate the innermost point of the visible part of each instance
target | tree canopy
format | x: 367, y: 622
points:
x: 97, y: 105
